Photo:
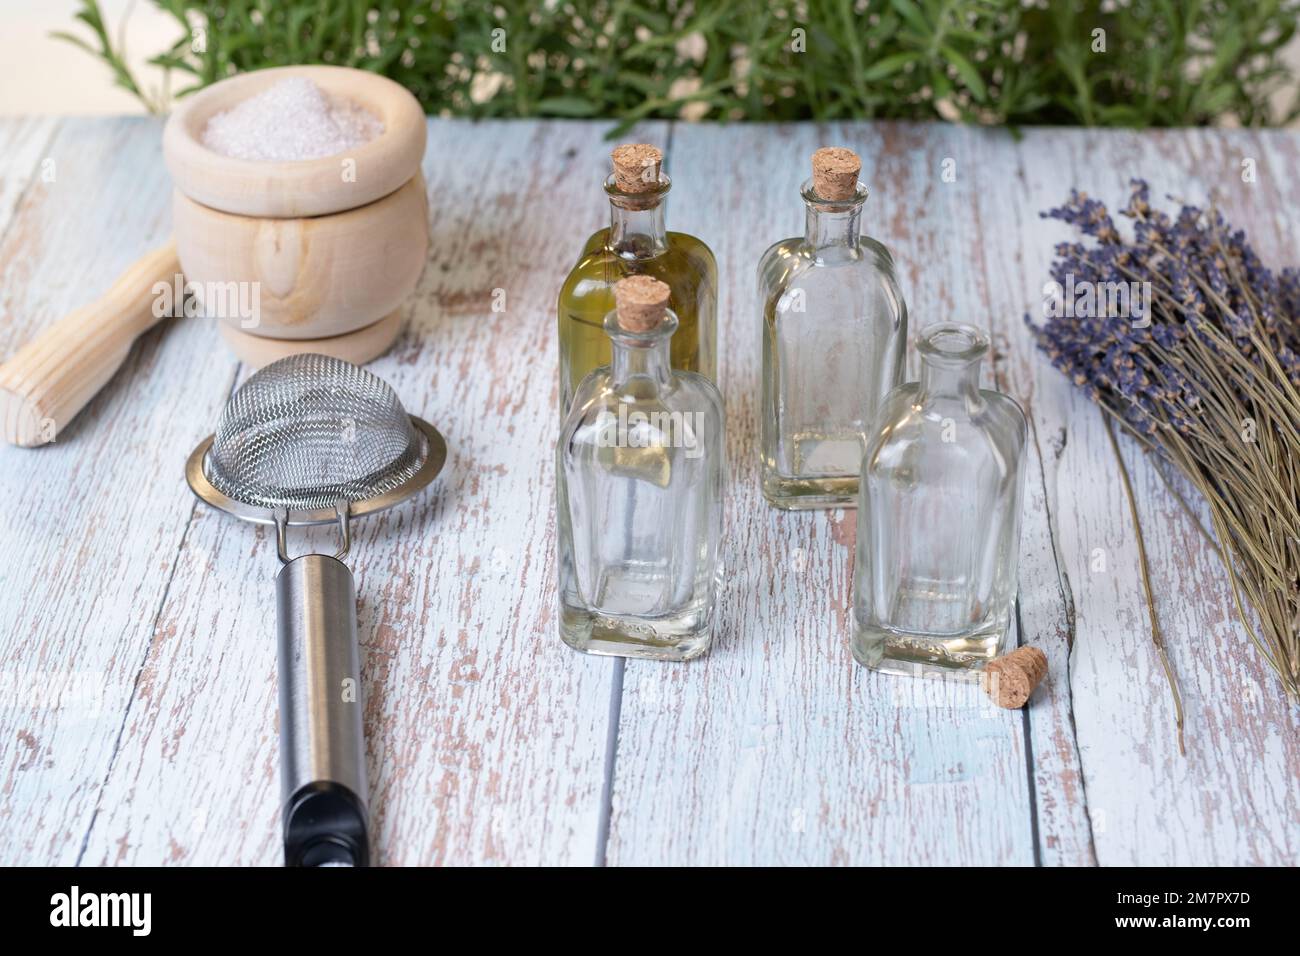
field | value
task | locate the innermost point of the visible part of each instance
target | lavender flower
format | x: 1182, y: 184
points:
x: 1212, y: 362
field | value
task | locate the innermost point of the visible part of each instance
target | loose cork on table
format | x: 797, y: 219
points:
x: 1011, y: 679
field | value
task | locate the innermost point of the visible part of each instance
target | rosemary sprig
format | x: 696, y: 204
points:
x: 113, y: 54
x: 983, y: 61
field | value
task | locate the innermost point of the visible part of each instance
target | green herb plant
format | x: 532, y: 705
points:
x: 1132, y: 63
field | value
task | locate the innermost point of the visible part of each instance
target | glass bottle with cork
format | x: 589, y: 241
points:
x: 637, y: 242
x: 640, y: 476
x: 834, y: 335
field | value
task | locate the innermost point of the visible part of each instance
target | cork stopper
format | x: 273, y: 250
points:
x: 636, y: 167
x: 835, y: 172
x: 1011, y: 678
x: 642, y: 302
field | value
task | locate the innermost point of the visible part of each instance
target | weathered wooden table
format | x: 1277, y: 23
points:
x: 138, y: 719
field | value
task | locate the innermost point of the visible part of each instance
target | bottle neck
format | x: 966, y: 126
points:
x: 945, y: 378
x: 832, y: 230
x: 641, y: 359
x: 950, y: 362
x: 636, y: 223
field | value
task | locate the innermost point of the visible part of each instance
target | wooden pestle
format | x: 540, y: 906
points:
x: 51, y: 378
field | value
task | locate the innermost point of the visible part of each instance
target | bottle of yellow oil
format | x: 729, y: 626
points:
x: 637, y: 243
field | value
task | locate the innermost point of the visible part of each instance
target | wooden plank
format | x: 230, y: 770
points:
x: 486, y: 736
x: 137, y: 648
x: 1232, y: 798
x: 90, y: 526
x: 24, y: 144
x: 777, y: 748
x: 988, y: 222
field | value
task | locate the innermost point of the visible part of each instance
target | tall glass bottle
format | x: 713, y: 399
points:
x: 834, y: 335
x: 640, y: 472
x: 939, y: 515
x: 637, y: 243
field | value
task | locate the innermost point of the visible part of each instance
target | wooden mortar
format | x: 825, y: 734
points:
x: 333, y: 246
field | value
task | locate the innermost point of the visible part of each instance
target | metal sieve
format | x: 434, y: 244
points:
x: 308, y: 440
x: 307, y: 432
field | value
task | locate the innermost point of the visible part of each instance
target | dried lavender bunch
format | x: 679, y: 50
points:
x: 1206, y: 376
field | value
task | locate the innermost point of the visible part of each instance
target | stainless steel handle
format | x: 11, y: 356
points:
x: 322, y: 749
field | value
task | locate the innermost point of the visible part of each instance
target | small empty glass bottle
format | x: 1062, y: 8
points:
x: 640, y: 465
x: 834, y: 335
x: 637, y: 243
x: 939, y: 515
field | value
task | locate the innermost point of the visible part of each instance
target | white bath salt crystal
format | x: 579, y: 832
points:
x: 293, y: 120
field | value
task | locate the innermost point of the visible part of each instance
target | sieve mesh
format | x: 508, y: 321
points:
x: 309, y: 430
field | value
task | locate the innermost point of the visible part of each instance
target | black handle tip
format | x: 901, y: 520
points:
x: 325, y: 825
